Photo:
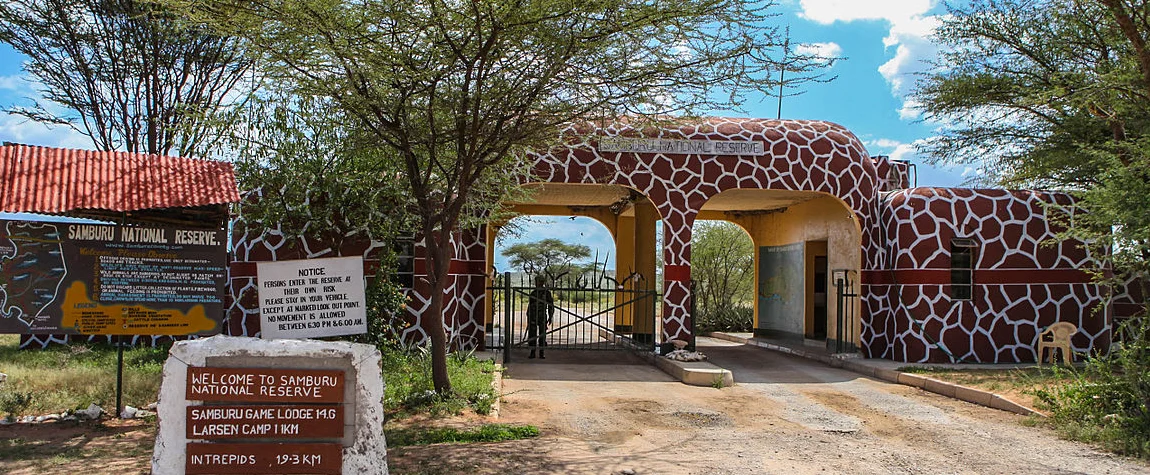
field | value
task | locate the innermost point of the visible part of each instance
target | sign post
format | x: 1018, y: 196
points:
x: 98, y: 279
x: 268, y: 424
x: 231, y: 405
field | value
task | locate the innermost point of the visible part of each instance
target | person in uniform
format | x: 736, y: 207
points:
x: 540, y: 310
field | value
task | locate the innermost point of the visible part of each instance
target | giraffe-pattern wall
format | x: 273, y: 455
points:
x: 255, y: 242
x: 801, y: 155
x: 1025, y: 278
x: 907, y: 314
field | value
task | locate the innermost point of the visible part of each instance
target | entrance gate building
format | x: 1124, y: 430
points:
x: 847, y: 250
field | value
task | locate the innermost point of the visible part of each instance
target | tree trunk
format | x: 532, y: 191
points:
x: 437, y: 262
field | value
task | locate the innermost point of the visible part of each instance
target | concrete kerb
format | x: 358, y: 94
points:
x: 861, y: 366
x: 696, y: 373
x: 496, y: 378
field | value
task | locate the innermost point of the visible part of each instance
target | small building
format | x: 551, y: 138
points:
x: 130, y: 190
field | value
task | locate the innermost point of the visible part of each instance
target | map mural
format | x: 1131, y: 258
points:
x: 781, y: 299
x: 95, y: 279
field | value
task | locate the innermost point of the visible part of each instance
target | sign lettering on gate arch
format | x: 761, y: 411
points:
x: 699, y: 147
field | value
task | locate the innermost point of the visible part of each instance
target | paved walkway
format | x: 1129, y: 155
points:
x: 890, y: 371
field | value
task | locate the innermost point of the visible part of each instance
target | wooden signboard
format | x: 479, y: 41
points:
x: 319, y: 459
x: 264, y: 385
x: 273, y: 421
x: 280, y: 417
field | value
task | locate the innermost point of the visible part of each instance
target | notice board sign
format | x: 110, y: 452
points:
x: 312, y: 298
x: 97, y: 279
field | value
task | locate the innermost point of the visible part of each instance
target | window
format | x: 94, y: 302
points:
x: 405, y: 262
x: 962, y: 268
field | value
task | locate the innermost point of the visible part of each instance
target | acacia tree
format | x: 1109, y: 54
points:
x: 1054, y: 94
x: 550, y: 257
x: 457, y: 92
x: 722, y: 265
x: 126, y: 74
x: 316, y: 174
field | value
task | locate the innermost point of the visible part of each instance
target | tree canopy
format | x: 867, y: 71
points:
x: 457, y: 92
x: 549, y: 257
x: 1053, y: 94
x: 722, y: 265
x: 136, y: 79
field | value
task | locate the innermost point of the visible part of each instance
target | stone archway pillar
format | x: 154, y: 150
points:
x: 646, y: 218
x: 624, y: 266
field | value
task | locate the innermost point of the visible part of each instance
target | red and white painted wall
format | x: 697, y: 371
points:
x: 1023, y: 277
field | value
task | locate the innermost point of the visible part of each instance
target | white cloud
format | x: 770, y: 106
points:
x: 911, y: 109
x: 830, y: 11
x: 895, y: 149
x: 913, y: 52
x: 19, y: 129
x: 14, y: 83
x: 822, y: 50
x: 883, y: 143
x: 904, y: 151
x: 909, y: 35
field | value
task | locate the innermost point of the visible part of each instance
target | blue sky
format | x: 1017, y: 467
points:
x: 885, y: 42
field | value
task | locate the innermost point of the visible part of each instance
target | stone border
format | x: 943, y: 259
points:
x: 951, y: 390
x: 497, y: 382
x: 695, y: 373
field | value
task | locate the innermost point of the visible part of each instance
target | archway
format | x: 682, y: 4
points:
x: 722, y: 277
x: 807, y: 261
x: 626, y: 288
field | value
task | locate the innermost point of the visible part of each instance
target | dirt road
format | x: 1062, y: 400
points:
x: 613, y: 413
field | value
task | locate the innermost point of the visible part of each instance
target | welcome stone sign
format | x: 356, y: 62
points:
x: 232, y: 405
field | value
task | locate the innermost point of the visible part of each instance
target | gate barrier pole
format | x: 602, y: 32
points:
x: 507, y: 331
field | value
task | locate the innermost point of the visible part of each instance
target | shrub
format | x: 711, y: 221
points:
x: 736, y: 318
x: 386, y: 302
x: 1107, y: 401
x: 409, y: 390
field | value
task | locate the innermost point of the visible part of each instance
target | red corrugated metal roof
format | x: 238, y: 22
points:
x: 57, y: 180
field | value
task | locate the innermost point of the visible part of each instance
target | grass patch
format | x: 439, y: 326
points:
x: 485, y: 433
x: 72, y: 377
x: 410, y: 390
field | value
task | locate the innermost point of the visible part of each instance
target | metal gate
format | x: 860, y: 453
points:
x: 844, y: 315
x: 592, y: 312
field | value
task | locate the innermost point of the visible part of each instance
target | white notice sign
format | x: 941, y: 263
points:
x: 312, y: 298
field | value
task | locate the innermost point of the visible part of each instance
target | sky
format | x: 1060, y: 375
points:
x: 884, y: 43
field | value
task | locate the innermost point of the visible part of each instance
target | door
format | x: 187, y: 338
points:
x: 820, y: 298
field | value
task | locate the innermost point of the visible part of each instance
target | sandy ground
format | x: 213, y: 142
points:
x: 120, y: 447
x: 611, y: 412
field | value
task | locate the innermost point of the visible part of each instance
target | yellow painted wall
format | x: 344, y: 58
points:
x: 624, y: 265
x: 643, y: 325
x: 821, y: 219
